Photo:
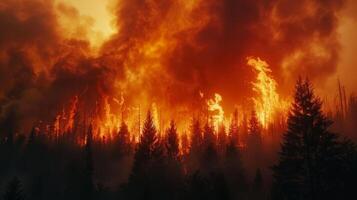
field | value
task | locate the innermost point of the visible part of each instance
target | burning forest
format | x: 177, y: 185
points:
x: 178, y: 99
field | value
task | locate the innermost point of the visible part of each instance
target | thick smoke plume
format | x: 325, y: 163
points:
x: 164, y: 52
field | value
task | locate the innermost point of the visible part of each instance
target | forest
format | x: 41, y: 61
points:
x: 308, y: 159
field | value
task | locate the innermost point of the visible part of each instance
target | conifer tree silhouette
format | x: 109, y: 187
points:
x: 310, y: 153
x: 14, y: 190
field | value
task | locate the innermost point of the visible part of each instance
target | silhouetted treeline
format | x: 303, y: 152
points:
x: 301, y: 160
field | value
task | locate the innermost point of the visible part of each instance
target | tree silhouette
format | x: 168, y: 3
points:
x: 309, y: 154
x: 88, y: 185
x: 221, y: 139
x: 174, y: 173
x: 196, y: 137
x: 123, y: 139
x: 172, y: 143
x: 209, y: 160
x: 14, y: 190
x: 234, y: 171
x: 209, y: 137
x: 233, y: 128
x: 148, y: 149
x: 254, y: 142
x: 196, y: 146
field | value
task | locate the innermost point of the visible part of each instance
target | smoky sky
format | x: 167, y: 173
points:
x: 163, y: 51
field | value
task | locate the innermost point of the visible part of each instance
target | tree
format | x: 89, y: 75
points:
x: 234, y: 171
x: 195, y: 152
x: 309, y: 159
x: 209, y: 137
x: 233, y: 128
x: 209, y: 160
x: 196, y: 137
x: 123, y: 139
x: 254, y: 142
x: 88, y: 185
x: 221, y: 139
x: 172, y: 142
x: 14, y: 190
x: 148, y: 149
x: 174, y: 172
x: 254, y: 131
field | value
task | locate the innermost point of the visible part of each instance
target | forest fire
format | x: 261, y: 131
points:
x: 178, y: 99
x: 267, y: 104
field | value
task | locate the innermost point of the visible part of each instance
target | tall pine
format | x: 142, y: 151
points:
x: 88, y: 185
x: 139, y: 185
x: 14, y: 190
x: 172, y: 142
x: 309, y: 155
x: 254, y: 142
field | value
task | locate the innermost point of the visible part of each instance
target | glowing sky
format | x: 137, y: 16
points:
x: 99, y: 11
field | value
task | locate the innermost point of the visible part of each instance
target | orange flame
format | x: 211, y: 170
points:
x: 218, y: 113
x: 268, y: 103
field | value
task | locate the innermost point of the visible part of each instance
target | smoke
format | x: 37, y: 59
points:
x: 163, y: 51
x: 204, y: 45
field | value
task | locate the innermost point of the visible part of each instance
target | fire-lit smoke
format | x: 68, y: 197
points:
x: 161, y: 51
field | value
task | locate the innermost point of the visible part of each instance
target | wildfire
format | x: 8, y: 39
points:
x: 109, y: 112
x: 268, y: 103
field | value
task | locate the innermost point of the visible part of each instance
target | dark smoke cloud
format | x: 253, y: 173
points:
x: 40, y: 70
x: 207, y: 46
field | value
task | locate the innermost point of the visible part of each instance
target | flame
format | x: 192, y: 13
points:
x: 268, y: 103
x: 109, y: 111
x: 156, y: 116
x: 214, y: 107
x: 71, y: 114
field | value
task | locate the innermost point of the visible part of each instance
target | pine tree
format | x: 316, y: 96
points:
x: 209, y: 138
x: 233, y: 128
x: 221, y: 139
x: 88, y: 185
x: 14, y: 190
x: 196, y: 137
x: 254, y: 143
x: 185, y: 144
x: 172, y: 143
x: 175, y: 175
x: 309, y: 154
x: 148, y: 149
x: 123, y: 139
x: 234, y: 171
x: 254, y: 130
x: 210, y: 161
x: 196, y: 146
